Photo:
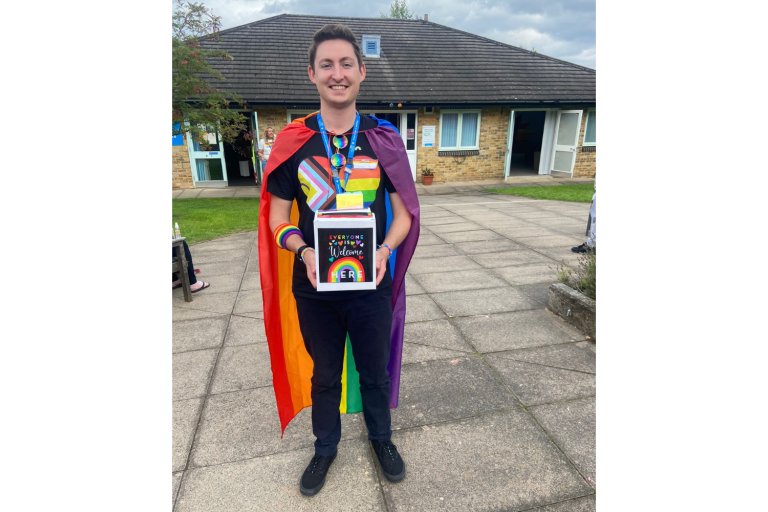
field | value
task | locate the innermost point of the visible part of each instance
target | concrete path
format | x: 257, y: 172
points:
x: 497, y: 400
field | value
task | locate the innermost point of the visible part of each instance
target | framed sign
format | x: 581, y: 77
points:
x: 345, y: 250
x: 428, y: 136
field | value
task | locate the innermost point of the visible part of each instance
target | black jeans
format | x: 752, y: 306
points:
x: 324, y: 326
x: 190, y: 266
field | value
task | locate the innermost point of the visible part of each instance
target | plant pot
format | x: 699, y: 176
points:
x: 574, y: 307
x: 427, y: 180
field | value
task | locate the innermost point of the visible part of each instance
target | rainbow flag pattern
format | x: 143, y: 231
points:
x: 365, y: 181
x: 291, y: 364
x: 344, y: 266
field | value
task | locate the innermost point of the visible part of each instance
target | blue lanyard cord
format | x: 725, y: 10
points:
x: 351, y: 153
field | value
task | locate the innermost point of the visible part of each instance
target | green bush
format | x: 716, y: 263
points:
x: 582, y: 278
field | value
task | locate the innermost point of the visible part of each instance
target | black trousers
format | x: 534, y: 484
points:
x: 324, y: 325
x: 190, y: 266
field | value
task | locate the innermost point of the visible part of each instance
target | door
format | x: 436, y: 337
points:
x: 255, y: 146
x: 405, y: 122
x: 508, y: 152
x: 566, y: 140
x: 208, y: 166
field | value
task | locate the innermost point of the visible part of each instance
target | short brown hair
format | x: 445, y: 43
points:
x: 330, y: 32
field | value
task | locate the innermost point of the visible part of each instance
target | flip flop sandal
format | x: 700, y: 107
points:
x: 177, y: 286
x: 206, y: 285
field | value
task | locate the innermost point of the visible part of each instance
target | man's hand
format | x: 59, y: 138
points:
x: 381, y: 263
x: 309, y: 261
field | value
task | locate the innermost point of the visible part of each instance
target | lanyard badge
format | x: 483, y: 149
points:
x: 338, y: 160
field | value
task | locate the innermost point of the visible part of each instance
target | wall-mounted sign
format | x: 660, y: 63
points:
x: 178, y: 140
x: 428, y: 136
x: 411, y: 134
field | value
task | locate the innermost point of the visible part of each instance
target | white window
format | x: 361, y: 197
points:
x: 459, y: 129
x: 297, y: 114
x: 371, y: 46
x: 590, y: 135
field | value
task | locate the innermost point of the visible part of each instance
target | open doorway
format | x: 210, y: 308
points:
x: 392, y: 117
x: 526, y: 143
x: 239, y: 159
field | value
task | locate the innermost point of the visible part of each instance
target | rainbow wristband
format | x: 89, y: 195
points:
x: 387, y: 246
x: 285, y: 231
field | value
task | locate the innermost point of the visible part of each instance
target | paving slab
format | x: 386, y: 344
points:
x: 539, y: 292
x: 491, y: 246
x: 190, y: 192
x: 414, y: 353
x: 412, y: 287
x: 198, y: 334
x: 459, y: 280
x: 245, y: 331
x: 510, y: 223
x: 554, y: 241
x: 451, y: 228
x: 271, y: 483
x: 249, y: 301
x: 245, y: 424
x: 207, y: 300
x: 450, y: 264
x: 219, y: 284
x: 481, y: 302
x: 191, y: 371
x: 534, y: 384
x: 470, y: 236
x: 518, y: 257
x: 185, y: 416
x: 434, y: 251
x: 441, y: 219
x: 571, y: 356
x: 426, y: 240
x: 529, y: 273
x: 436, y: 333
x: 178, y: 313
x: 176, y: 481
x: 501, y: 461
x: 235, y: 268
x: 584, y: 504
x: 448, y: 389
x: 420, y: 308
x: 572, y: 426
x: 176, y: 193
x: 218, y: 192
x: 242, y: 367
x: 251, y: 281
x: 225, y: 244
x: 216, y: 256
x: 520, y: 329
x: 525, y: 232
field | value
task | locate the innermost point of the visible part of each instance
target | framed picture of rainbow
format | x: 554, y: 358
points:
x: 346, y: 250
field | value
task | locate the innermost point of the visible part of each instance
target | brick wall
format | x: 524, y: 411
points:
x: 181, y: 170
x: 276, y: 117
x: 489, y: 164
x: 586, y: 161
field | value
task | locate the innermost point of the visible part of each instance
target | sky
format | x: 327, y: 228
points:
x: 561, y: 29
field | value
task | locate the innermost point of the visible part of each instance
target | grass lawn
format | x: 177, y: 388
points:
x: 203, y: 219
x: 574, y: 193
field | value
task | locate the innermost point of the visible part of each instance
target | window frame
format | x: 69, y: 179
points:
x: 303, y: 113
x: 584, y: 142
x: 377, y: 39
x: 461, y: 113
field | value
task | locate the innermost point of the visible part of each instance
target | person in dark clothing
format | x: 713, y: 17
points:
x: 195, y: 285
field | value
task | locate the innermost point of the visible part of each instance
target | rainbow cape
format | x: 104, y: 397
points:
x: 291, y: 364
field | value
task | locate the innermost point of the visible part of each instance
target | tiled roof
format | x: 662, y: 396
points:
x: 422, y: 63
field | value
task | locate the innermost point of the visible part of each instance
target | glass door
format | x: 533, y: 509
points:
x: 207, y: 162
x: 566, y: 140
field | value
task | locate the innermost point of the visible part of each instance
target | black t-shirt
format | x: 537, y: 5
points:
x: 306, y: 177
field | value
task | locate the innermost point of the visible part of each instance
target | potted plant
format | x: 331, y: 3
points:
x: 427, y: 176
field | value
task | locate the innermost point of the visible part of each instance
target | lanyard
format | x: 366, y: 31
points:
x: 351, y: 153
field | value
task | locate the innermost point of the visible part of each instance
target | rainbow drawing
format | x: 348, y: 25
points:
x: 342, y: 267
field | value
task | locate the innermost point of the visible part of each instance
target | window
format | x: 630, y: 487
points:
x: 371, y: 46
x: 459, y: 129
x: 298, y: 114
x: 590, y: 135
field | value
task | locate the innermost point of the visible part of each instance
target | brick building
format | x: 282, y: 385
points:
x: 467, y: 107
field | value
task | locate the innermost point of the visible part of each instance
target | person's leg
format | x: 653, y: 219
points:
x: 324, y: 336
x: 592, y: 240
x: 369, y: 321
x: 190, y: 265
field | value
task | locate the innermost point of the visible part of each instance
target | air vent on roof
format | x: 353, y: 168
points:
x: 428, y: 110
x: 372, y: 46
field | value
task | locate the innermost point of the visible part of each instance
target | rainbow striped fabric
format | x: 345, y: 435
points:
x: 283, y: 232
x: 291, y: 364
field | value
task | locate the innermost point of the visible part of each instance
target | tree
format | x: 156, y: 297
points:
x: 399, y: 9
x: 195, y: 100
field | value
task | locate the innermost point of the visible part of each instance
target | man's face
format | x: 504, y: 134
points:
x: 336, y: 74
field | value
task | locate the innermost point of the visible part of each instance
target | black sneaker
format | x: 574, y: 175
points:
x: 392, y: 464
x: 313, y: 478
x: 581, y: 248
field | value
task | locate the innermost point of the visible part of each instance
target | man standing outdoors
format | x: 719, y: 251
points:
x: 310, y: 333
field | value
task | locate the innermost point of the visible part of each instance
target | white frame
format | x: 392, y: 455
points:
x: 404, y: 133
x: 547, y: 138
x: 586, y: 125
x: 440, y: 146
x: 304, y: 113
x: 377, y: 39
x: 559, y: 147
x: 195, y: 155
